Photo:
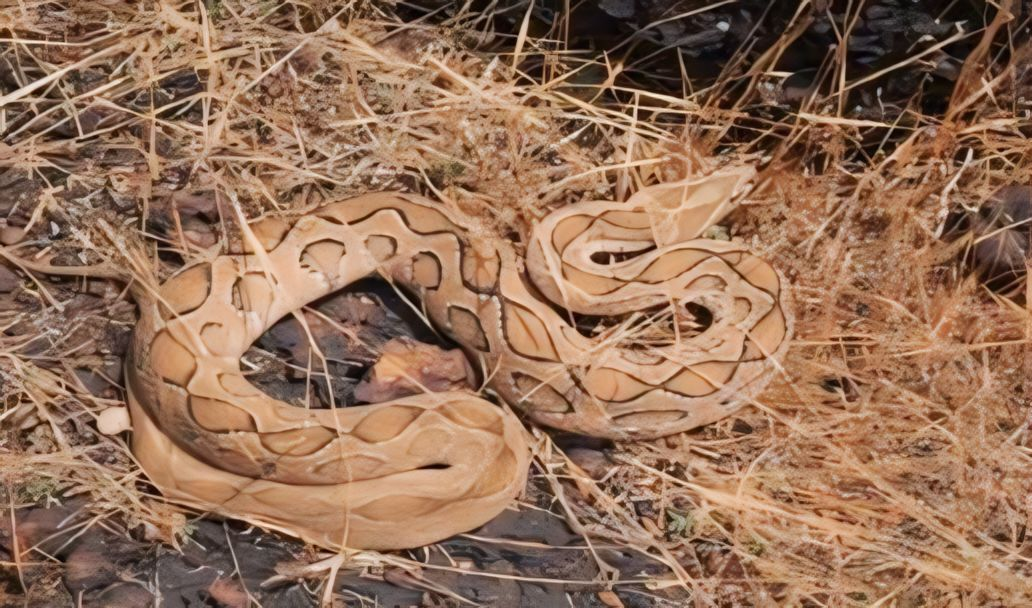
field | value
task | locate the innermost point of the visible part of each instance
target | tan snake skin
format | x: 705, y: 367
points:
x: 419, y: 469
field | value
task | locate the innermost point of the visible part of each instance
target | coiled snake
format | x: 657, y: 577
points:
x: 419, y: 469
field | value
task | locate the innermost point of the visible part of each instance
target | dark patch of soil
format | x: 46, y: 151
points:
x: 683, y: 47
x: 349, y: 329
x: 520, y: 559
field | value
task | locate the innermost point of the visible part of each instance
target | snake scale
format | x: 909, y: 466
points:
x: 619, y: 321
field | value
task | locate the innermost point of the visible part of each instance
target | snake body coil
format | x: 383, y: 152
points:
x: 416, y: 470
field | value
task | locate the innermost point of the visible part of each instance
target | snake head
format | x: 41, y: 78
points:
x: 683, y: 210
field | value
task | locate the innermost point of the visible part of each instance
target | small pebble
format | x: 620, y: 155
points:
x: 593, y: 462
x: 9, y: 235
x: 9, y: 280
x: 114, y: 420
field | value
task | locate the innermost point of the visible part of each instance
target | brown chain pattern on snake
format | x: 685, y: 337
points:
x: 419, y: 469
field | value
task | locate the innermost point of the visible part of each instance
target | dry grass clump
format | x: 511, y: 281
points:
x: 887, y: 466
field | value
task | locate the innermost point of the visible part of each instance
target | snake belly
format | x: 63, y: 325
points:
x: 419, y: 469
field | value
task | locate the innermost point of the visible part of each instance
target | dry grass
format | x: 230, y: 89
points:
x: 887, y: 467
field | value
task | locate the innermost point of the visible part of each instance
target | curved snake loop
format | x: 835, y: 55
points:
x: 620, y: 322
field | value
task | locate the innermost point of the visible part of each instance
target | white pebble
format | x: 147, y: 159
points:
x: 114, y: 420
